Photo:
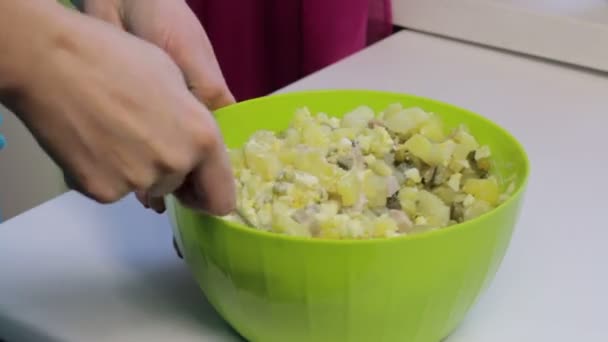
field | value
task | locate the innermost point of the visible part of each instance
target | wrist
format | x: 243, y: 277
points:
x: 33, y: 30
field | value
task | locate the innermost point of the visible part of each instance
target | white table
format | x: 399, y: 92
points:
x: 570, y: 31
x: 72, y: 270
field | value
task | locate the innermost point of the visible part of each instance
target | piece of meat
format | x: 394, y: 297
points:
x: 375, y: 123
x: 404, y: 224
x: 392, y: 185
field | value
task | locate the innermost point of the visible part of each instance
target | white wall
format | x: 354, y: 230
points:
x: 27, y: 176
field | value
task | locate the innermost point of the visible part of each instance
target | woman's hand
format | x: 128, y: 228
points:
x: 172, y: 26
x: 114, y: 111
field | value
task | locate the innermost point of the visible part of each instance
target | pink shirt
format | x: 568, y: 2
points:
x: 263, y: 45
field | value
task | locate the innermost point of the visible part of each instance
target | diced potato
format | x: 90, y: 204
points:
x: 463, y: 137
x: 322, y: 118
x: 330, y: 228
x: 306, y: 180
x: 309, y: 160
x: 405, y: 121
x: 380, y: 168
x: 482, y: 153
x: 407, y: 198
x: 384, y: 226
x: 329, y: 175
x: 468, y: 200
x: 349, y: 188
x: 446, y: 193
x: 465, y: 144
x: 314, y: 135
x: 364, y: 141
x: 355, y: 228
x: 344, y: 132
x: 328, y: 210
x: 292, y: 137
x: 301, y: 117
x: 265, y: 216
x: 433, y: 208
x: 433, y: 129
x: 412, y: 176
x: 344, y: 145
x: 381, y: 142
x: 262, y: 162
x: 432, y: 154
x: 358, y: 118
x: 392, y: 109
x: 483, y: 189
x: 265, y: 139
x: 441, y: 153
x: 454, y: 181
x: 283, y: 223
x: 476, y: 209
x: 375, y: 189
x: 458, y: 165
x: 369, y: 159
x: 288, y: 155
x: 421, y: 221
x: 420, y: 147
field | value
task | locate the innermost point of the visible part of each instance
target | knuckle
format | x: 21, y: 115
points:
x: 139, y: 180
x: 222, y: 205
x: 207, y: 138
x: 217, y: 96
x: 220, y: 208
x: 172, y: 162
x: 102, y: 192
x: 106, y: 197
x: 93, y: 184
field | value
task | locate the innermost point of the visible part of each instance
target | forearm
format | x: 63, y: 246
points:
x: 29, y: 31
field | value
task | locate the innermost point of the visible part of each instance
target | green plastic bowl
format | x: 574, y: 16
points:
x: 414, y: 288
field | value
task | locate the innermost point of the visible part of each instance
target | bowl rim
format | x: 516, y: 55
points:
x: 242, y: 228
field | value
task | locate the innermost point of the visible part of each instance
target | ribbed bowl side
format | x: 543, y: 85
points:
x: 272, y: 289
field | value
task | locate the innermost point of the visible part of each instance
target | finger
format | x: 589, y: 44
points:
x: 166, y: 185
x: 95, y: 187
x: 210, y: 187
x: 105, y: 10
x: 157, y: 204
x: 69, y: 182
x: 186, y: 194
x: 142, y: 197
x: 214, y: 184
x: 185, y: 40
x: 194, y: 195
x: 157, y: 192
x: 190, y: 48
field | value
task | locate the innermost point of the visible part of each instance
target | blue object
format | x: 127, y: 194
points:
x: 2, y: 144
x: 2, y: 140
